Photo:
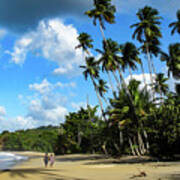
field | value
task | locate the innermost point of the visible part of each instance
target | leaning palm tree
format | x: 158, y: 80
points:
x: 147, y: 29
x: 176, y: 25
x: 85, y: 42
x: 103, y: 12
x: 172, y: 59
x: 106, y: 60
x: 92, y: 70
x: 102, y: 88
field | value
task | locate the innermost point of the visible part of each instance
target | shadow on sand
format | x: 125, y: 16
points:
x: 174, y: 177
x: 47, y: 174
x: 123, y: 160
x: 75, y: 158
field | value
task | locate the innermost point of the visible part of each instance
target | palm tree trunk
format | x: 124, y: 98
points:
x: 149, y: 66
x: 99, y: 99
x: 117, y: 80
x: 136, y: 147
x: 144, y: 78
x: 141, y: 144
x: 102, y: 32
x: 130, y: 72
x: 131, y: 146
x: 110, y: 81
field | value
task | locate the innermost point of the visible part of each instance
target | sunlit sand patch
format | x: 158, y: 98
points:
x: 102, y: 166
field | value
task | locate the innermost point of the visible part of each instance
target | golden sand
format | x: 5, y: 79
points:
x: 90, y: 167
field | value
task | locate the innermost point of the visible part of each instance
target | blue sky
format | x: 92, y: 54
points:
x: 39, y: 67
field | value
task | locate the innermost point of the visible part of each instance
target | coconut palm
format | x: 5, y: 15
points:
x: 85, y: 42
x: 102, y: 87
x: 129, y: 56
x: 176, y: 25
x: 147, y: 30
x: 108, y: 54
x: 172, y: 59
x: 103, y: 12
x: 123, y: 114
x: 160, y: 85
x: 92, y: 70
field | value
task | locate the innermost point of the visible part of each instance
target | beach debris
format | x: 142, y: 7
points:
x: 141, y: 174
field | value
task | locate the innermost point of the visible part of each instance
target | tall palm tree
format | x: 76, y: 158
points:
x: 172, y: 59
x: 103, y: 12
x: 176, y: 25
x: 129, y: 56
x: 92, y: 70
x: 110, y: 49
x: 160, y: 85
x: 122, y: 113
x: 102, y: 88
x: 147, y: 30
x: 85, y: 42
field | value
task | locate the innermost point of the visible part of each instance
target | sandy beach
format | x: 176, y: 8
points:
x: 91, y: 167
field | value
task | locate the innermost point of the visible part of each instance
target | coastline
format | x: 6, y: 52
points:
x: 89, y: 167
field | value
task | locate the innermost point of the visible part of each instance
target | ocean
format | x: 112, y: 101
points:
x: 8, y: 160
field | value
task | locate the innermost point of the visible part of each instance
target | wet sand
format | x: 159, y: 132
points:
x: 92, y: 167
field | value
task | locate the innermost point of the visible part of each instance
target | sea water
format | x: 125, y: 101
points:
x: 8, y: 160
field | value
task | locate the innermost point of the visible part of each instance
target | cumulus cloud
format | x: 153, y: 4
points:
x: 139, y: 77
x: 45, y: 87
x: 54, y: 41
x: 23, y: 15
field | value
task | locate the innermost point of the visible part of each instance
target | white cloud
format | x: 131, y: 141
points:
x: 43, y: 87
x: 54, y: 41
x: 2, y: 111
x: 2, y: 33
x: 139, y: 77
x: 45, y: 116
x: 78, y: 105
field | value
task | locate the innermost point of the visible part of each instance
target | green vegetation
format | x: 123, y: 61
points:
x: 137, y: 120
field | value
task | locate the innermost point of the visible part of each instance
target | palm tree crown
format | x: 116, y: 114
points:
x: 160, y: 85
x: 176, y: 25
x: 148, y: 25
x: 85, y: 42
x: 91, y: 68
x: 172, y: 60
x: 103, y: 11
x: 129, y: 55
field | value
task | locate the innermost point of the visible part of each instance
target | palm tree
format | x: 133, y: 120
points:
x: 129, y: 56
x: 110, y: 49
x: 176, y: 25
x: 160, y: 85
x: 91, y: 69
x: 131, y: 121
x: 103, y: 12
x: 172, y: 59
x: 147, y: 31
x: 85, y: 42
x: 102, y: 88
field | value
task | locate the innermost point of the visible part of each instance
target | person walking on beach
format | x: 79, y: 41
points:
x: 52, y: 159
x: 46, y: 159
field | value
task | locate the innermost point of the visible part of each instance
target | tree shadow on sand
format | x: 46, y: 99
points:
x: 80, y: 158
x: 123, y: 160
x: 49, y: 174
x: 174, y: 177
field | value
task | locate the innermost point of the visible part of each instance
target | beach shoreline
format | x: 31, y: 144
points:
x: 95, y: 167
